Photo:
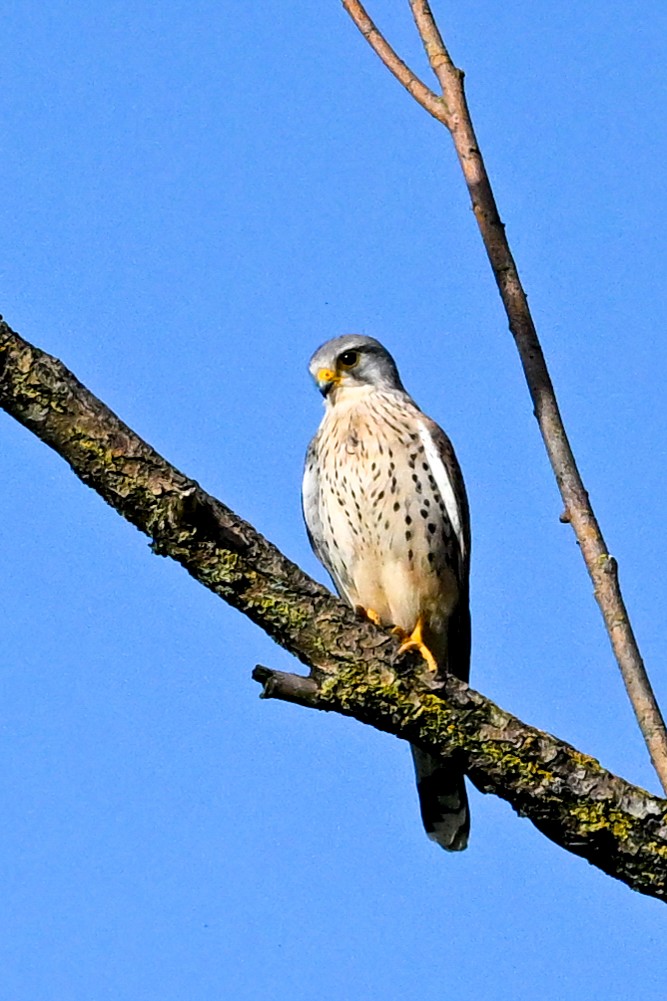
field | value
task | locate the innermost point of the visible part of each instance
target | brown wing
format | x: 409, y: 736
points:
x: 458, y: 634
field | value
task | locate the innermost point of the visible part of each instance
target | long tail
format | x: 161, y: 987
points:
x: 443, y: 800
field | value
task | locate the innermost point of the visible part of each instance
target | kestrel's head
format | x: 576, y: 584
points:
x: 352, y: 362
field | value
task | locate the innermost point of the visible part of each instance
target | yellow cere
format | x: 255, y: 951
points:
x: 325, y: 375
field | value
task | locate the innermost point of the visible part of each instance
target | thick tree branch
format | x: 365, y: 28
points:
x: 355, y: 668
x: 452, y: 111
x: 567, y: 795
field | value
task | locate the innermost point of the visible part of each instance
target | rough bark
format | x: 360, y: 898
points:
x: 354, y: 665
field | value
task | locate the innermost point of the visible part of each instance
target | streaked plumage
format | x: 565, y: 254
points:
x: 386, y: 512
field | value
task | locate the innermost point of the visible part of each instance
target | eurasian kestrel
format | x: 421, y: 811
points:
x: 387, y: 514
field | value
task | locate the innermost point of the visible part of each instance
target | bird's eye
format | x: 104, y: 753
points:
x: 348, y: 359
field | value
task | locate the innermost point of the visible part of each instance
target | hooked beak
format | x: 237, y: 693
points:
x: 326, y: 379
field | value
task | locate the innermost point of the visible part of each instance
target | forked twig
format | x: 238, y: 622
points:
x: 450, y: 108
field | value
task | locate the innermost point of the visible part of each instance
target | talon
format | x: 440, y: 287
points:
x: 368, y: 613
x: 416, y: 642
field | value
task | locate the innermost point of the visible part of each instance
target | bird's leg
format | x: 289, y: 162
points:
x: 368, y: 613
x: 415, y: 641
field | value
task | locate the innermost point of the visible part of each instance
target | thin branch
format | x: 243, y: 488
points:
x: 355, y: 667
x: 578, y: 510
x: 421, y: 93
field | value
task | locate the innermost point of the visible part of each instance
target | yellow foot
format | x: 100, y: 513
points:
x: 368, y: 613
x: 415, y: 641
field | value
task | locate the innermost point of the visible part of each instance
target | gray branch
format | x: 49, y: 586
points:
x: 355, y: 668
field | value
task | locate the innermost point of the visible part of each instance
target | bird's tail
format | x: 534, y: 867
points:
x: 443, y: 800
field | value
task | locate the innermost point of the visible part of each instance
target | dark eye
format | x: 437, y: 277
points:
x: 348, y: 359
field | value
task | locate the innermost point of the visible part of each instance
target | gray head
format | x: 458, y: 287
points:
x: 351, y: 362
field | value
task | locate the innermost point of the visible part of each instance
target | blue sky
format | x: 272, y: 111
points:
x: 196, y: 196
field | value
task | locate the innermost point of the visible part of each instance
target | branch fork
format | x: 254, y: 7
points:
x: 451, y: 109
x: 356, y: 669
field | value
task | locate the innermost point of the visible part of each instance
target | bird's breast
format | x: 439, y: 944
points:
x: 386, y: 531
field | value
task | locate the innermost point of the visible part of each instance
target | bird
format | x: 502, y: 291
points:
x: 387, y: 514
